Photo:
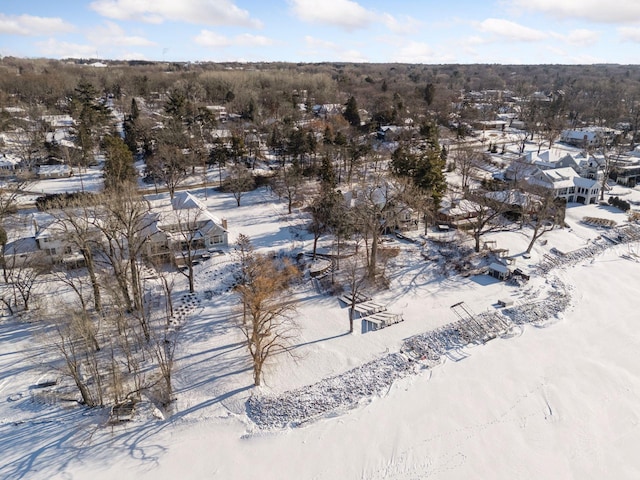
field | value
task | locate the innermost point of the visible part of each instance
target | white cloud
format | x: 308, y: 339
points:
x: 210, y: 39
x: 246, y: 39
x: 30, y: 25
x: 57, y: 49
x: 353, y: 56
x: 113, y: 34
x: 203, y: 12
x: 341, y: 13
x: 581, y: 37
x: 414, y: 52
x: 629, y: 34
x: 207, y: 38
x: 403, y: 26
x: 420, y: 52
x: 320, y: 43
x: 623, y: 11
x: 573, y: 57
x: 474, y: 40
x: 509, y: 30
x: 324, y: 50
x: 350, y: 16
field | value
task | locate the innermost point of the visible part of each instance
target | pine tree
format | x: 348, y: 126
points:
x: 351, y: 114
x: 119, y: 169
x: 424, y: 164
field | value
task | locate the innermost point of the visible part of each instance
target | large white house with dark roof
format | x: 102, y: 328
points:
x: 566, y: 183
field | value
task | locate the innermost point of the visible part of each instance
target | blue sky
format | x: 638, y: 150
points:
x: 412, y: 31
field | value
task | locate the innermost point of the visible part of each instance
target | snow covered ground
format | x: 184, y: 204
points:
x: 558, y: 398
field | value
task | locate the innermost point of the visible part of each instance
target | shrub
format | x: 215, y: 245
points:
x: 51, y: 200
x: 621, y: 204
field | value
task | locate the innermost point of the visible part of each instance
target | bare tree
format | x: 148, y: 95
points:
x: 375, y: 211
x: 163, y: 347
x: 75, y: 228
x: 169, y: 164
x: 31, y: 138
x: 189, y: 240
x: 74, y: 342
x: 356, y: 278
x: 543, y: 213
x: 11, y: 189
x: 484, y: 212
x: 125, y: 224
x: 265, y: 318
x: 466, y: 159
x: 607, y: 166
x: 288, y: 184
x: 21, y: 273
x: 239, y: 181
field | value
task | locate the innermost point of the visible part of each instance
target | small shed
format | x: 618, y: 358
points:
x: 499, y: 271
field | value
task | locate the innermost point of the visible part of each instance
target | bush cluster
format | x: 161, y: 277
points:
x: 621, y: 204
x: 53, y: 200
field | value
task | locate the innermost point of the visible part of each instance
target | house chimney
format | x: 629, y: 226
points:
x: 224, y: 223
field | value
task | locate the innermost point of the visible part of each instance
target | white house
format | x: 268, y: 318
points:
x: 553, y: 158
x: 172, y: 227
x: 589, y: 136
x: 184, y: 223
x: 566, y: 183
x: 54, y: 171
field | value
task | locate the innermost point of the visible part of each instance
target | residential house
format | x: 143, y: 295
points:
x: 219, y: 112
x: 394, y: 215
x: 517, y: 201
x: 53, y: 241
x: 458, y: 213
x: 20, y: 252
x: 9, y: 163
x: 327, y: 109
x: 626, y: 170
x: 183, y: 224
x: 54, y: 171
x: 566, y: 183
x: 553, y: 158
x: 589, y: 136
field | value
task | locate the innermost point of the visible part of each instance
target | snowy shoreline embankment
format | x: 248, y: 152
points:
x: 423, y: 351
x: 419, y: 352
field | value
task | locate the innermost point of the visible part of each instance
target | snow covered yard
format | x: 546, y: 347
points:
x: 555, y: 402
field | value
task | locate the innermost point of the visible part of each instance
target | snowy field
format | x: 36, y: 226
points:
x: 554, y: 398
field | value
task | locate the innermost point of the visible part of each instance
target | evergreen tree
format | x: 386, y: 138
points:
x: 119, y: 169
x: 328, y: 179
x: 429, y: 93
x: 131, y: 127
x: 351, y: 114
x: 424, y: 164
x: 89, y: 116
